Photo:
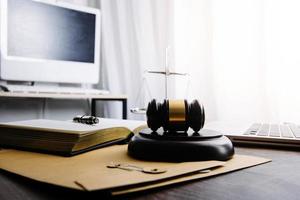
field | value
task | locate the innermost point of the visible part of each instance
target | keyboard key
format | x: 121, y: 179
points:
x: 286, y: 132
x: 295, y: 130
x: 264, y: 130
x: 274, y: 130
x: 253, y: 129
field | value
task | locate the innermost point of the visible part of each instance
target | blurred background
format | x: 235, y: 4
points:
x: 242, y: 57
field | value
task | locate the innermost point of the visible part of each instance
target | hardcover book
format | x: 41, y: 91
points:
x: 66, y: 137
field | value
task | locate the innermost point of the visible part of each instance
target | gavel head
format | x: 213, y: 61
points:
x: 175, y: 115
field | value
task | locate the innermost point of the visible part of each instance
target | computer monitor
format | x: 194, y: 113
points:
x: 47, y: 41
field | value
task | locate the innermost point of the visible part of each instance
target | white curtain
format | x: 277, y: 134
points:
x: 134, y: 37
x: 243, y: 57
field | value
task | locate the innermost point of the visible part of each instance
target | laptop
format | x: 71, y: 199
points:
x: 266, y: 134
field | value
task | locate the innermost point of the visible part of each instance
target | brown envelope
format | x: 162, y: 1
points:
x: 236, y: 163
x: 89, y: 171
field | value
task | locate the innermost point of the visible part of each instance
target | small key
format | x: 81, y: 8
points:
x: 127, y: 167
x: 117, y: 165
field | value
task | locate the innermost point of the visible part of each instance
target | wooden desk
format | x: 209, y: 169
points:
x: 93, y: 98
x: 279, y: 179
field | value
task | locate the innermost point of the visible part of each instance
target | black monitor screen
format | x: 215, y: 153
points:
x: 43, y: 31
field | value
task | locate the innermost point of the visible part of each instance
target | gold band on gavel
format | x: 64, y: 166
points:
x: 177, y: 111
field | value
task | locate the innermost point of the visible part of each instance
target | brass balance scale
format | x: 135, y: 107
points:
x: 145, y: 86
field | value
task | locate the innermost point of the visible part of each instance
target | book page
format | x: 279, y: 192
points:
x: 130, y: 124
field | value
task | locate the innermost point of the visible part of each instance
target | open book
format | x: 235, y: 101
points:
x: 66, y: 137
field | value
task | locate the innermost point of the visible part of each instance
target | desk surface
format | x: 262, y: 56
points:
x: 61, y: 96
x: 279, y: 179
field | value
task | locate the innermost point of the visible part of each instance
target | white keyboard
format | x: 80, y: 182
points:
x: 279, y: 135
x: 54, y: 90
x: 288, y: 130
